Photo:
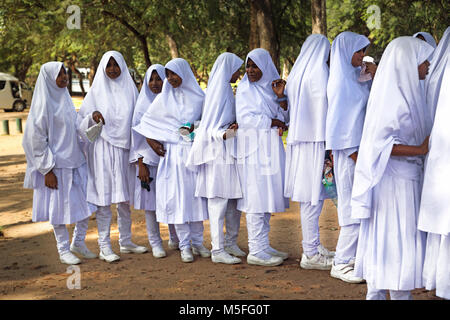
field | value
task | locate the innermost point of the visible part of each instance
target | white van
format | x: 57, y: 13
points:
x: 14, y: 94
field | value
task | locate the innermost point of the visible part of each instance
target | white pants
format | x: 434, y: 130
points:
x: 104, y: 215
x: 309, y: 216
x: 221, y: 210
x: 258, y: 229
x: 153, y: 233
x: 347, y: 244
x: 376, y: 294
x: 189, y: 232
x: 62, y: 235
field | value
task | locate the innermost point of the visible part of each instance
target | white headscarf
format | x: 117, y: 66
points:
x: 396, y: 114
x: 256, y: 103
x: 173, y: 107
x: 218, y: 109
x: 139, y: 146
x: 436, y: 72
x: 347, y: 97
x: 306, y: 89
x: 428, y: 38
x: 50, y: 139
x: 434, y: 213
x: 115, y: 99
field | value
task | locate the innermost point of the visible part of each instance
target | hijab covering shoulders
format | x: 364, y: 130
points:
x: 396, y: 114
x: 428, y: 38
x: 347, y: 97
x: 434, y: 213
x: 306, y: 89
x: 173, y: 107
x: 256, y: 103
x: 114, y: 99
x: 50, y: 139
x: 139, y: 146
x: 433, y: 80
x: 218, y: 109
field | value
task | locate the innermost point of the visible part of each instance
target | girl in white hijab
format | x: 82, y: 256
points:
x: 427, y: 37
x: 111, y: 100
x: 179, y: 104
x: 260, y: 153
x: 347, y: 99
x: 434, y: 215
x: 142, y: 188
x: 389, y: 173
x: 214, y: 163
x: 433, y: 82
x: 306, y: 89
x: 56, y: 167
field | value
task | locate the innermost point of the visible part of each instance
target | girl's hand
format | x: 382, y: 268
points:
x: 144, y: 174
x: 50, y: 180
x: 278, y: 87
x: 424, y: 146
x: 157, y: 147
x: 97, y: 116
x: 234, y: 126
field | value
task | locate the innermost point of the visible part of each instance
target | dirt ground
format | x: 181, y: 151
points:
x: 30, y: 268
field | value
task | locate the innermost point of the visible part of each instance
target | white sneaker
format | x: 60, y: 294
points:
x: 234, y: 250
x: 276, y: 253
x: 345, y: 272
x: 186, y: 255
x: 201, y: 250
x: 173, y: 245
x: 224, y: 257
x: 324, y: 251
x: 158, y: 252
x: 316, y: 262
x: 83, y: 251
x: 132, y: 248
x: 69, y: 258
x: 273, y: 261
x: 108, y: 255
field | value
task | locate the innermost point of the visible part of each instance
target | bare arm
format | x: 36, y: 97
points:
x: 404, y: 150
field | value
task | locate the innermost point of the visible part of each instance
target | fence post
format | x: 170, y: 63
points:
x: 5, y: 127
x: 19, y: 125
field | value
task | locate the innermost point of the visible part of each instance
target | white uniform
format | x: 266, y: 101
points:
x: 434, y: 216
x: 51, y: 143
x: 108, y: 156
x: 305, y: 150
x: 217, y: 178
x: 347, y: 99
x: 175, y: 183
x: 260, y: 153
x: 386, y: 190
x: 141, y: 198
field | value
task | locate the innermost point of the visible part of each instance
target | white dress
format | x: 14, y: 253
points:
x: 51, y: 143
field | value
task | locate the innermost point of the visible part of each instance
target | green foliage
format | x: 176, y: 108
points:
x: 34, y: 32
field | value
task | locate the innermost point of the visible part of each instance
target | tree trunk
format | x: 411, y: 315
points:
x: 254, y: 36
x: 21, y: 68
x: 172, y: 46
x: 266, y: 29
x: 319, y: 16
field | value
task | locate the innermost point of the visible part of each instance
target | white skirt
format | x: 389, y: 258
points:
x: 436, y: 269
x: 218, y: 180
x: 304, y: 172
x: 175, y: 187
x: 262, y: 179
x: 141, y: 199
x: 109, y: 172
x: 65, y: 205
x: 391, y: 249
